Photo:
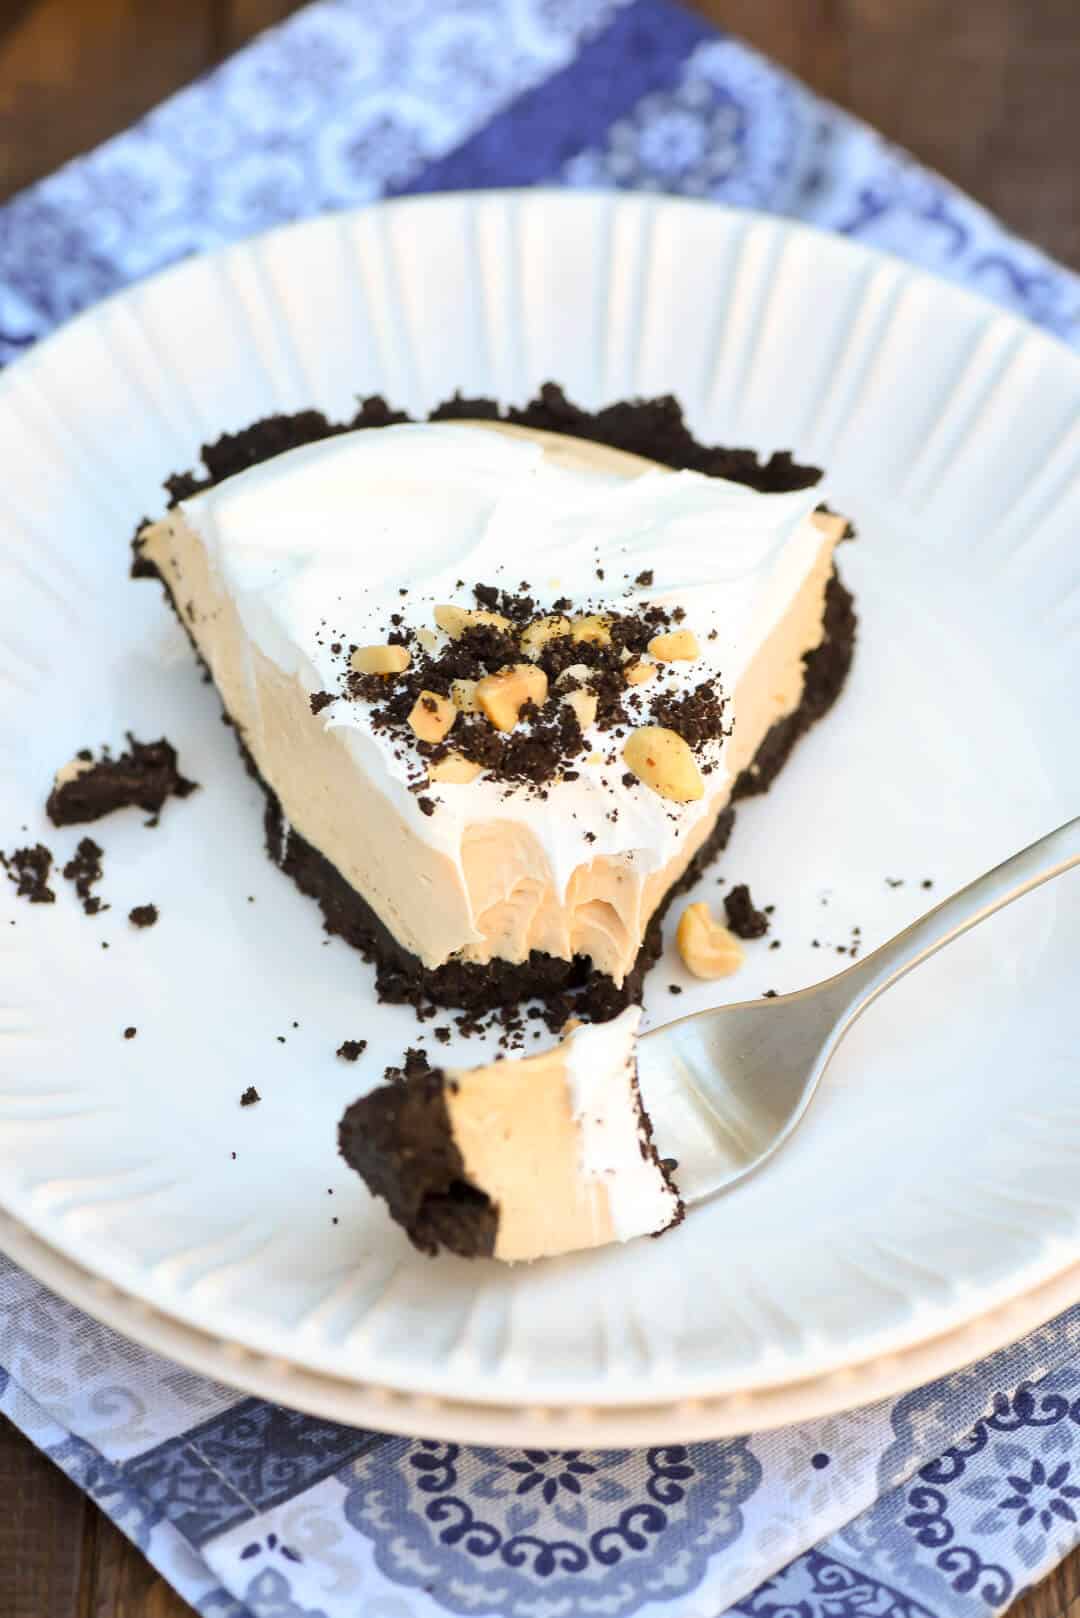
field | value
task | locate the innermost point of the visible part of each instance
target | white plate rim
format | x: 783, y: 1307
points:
x: 393, y: 1410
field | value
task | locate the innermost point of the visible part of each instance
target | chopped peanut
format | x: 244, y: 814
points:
x: 577, y: 671
x: 584, y: 704
x: 540, y: 631
x: 663, y: 761
x: 456, y: 620
x: 432, y: 716
x: 592, y: 628
x: 379, y: 660
x: 677, y: 646
x: 463, y: 694
x: 638, y: 673
x: 428, y: 639
x: 708, y: 949
x: 502, y: 696
x: 454, y: 770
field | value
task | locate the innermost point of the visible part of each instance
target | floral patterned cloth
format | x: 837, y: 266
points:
x: 947, y: 1501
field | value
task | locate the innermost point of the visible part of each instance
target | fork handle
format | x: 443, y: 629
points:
x: 1040, y: 862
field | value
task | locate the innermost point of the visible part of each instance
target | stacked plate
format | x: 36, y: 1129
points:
x: 928, y: 1210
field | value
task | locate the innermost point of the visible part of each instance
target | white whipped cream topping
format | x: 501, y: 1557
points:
x: 600, y: 1066
x: 316, y: 546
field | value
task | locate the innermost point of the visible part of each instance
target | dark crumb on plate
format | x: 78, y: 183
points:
x: 743, y: 919
x: 674, y: 988
x: 350, y: 1050
x: 321, y: 700
x: 250, y: 1096
x: 85, y: 869
x: 770, y: 994
x: 29, y: 869
x: 775, y: 944
x: 894, y: 881
x: 143, y: 777
x: 927, y: 882
x: 143, y: 915
x: 414, y: 1065
x: 129, y: 1033
x: 280, y: 1039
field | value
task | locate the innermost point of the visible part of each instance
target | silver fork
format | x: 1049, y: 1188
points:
x: 732, y: 1085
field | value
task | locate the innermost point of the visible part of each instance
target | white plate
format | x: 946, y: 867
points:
x: 936, y: 1178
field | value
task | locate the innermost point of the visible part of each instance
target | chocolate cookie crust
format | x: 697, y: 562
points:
x: 400, y: 1141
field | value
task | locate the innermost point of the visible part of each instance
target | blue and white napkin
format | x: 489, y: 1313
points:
x: 947, y: 1501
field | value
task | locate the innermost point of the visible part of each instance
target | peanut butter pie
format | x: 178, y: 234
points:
x: 503, y: 675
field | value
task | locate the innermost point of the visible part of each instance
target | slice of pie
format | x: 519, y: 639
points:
x: 502, y: 678
x: 520, y: 1159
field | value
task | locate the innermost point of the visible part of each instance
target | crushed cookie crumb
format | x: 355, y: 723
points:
x: 250, y: 1096
x: 29, y: 869
x: 143, y: 777
x: 414, y: 1065
x: 85, y: 870
x: 742, y: 918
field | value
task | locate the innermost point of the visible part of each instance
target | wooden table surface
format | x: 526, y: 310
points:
x: 988, y: 92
